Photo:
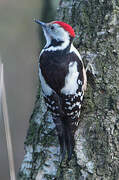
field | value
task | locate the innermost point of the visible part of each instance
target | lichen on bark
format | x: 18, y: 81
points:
x: 96, y: 23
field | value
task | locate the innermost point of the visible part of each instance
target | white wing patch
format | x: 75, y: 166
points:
x: 45, y: 87
x: 71, y: 80
x: 73, y: 49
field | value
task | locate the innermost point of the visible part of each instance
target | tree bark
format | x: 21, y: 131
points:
x: 96, y: 23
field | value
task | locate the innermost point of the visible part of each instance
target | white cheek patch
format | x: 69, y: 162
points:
x: 46, y: 89
x: 71, y: 85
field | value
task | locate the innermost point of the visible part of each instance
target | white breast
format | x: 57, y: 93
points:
x: 71, y: 80
x: 45, y: 87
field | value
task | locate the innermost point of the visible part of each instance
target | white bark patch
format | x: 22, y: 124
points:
x: 40, y: 176
x: 49, y: 167
x: 26, y: 165
x: 71, y: 80
x: 81, y: 151
x: 84, y: 174
x: 90, y: 166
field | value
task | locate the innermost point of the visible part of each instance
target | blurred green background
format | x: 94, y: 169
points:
x: 20, y: 44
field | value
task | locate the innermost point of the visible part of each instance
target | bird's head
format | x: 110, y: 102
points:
x: 57, y: 31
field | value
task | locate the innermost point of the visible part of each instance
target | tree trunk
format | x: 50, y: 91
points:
x: 96, y: 23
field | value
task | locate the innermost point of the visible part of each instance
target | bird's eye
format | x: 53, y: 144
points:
x: 52, y: 27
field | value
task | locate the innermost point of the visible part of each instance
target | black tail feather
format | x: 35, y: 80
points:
x: 66, y: 130
x: 62, y: 147
x: 69, y: 136
x: 61, y: 135
x: 69, y: 139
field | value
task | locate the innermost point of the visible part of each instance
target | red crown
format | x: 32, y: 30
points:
x: 66, y: 26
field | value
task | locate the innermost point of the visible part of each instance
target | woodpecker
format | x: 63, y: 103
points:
x: 63, y: 80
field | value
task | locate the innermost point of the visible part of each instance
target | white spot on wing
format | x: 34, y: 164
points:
x: 68, y: 103
x: 81, y: 97
x: 53, y: 108
x: 73, y: 105
x: 71, y: 113
x: 71, y: 80
x: 79, y: 93
x: 79, y: 82
x: 78, y: 104
x: 52, y: 102
x: 70, y: 107
x: 78, y: 113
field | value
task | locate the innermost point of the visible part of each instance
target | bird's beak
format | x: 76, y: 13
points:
x: 40, y: 22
